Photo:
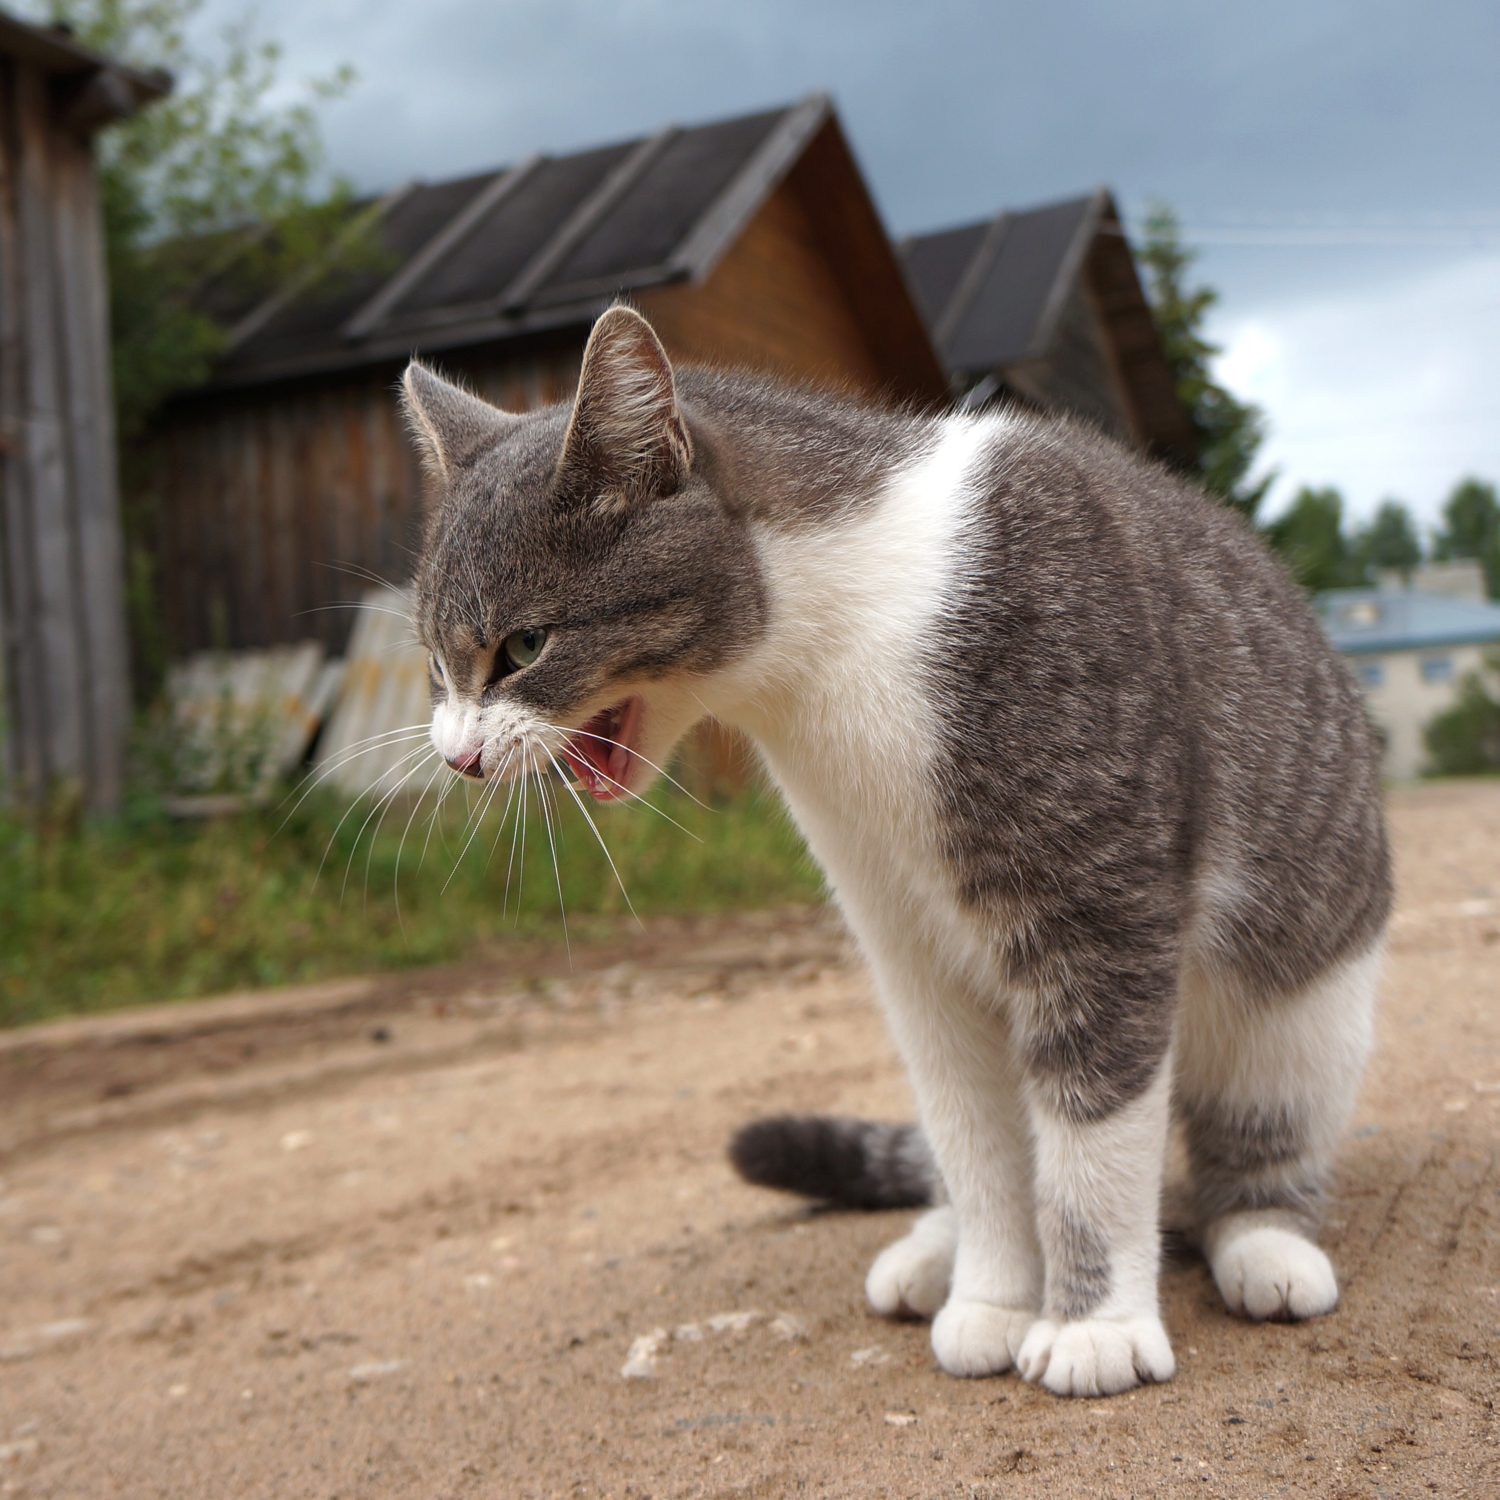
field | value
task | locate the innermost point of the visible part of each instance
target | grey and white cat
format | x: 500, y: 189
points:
x: 1092, y: 791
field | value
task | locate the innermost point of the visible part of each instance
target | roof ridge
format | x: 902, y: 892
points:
x: 717, y: 227
x: 1067, y: 272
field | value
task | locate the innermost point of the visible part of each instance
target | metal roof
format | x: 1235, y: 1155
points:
x: 545, y: 243
x: 1002, y: 297
x: 1362, y: 621
x: 992, y: 291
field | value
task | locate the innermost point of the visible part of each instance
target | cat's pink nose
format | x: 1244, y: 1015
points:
x: 466, y: 765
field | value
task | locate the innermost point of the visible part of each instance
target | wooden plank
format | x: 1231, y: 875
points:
x: 52, y: 627
x: 25, y: 704
x: 83, y: 314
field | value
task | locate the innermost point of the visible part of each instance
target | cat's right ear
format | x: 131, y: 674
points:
x: 451, y: 426
x: 626, y: 442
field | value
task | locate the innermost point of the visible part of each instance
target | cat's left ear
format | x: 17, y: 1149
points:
x: 451, y: 426
x: 626, y: 440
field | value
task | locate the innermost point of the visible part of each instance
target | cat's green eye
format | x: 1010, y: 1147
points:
x: 522, y: 647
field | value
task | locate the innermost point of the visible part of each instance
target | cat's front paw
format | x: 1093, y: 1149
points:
x: 979, y: 1338
x: 911, y: 1277
x: 1267, y: 1272
x: 1096, y: 1356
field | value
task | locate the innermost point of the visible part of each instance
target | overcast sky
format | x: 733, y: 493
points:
x: 1339, y: 160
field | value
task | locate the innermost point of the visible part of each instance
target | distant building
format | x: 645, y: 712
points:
x: 750, y: 242
x: 1044, y: 307
x: 1411, y: 646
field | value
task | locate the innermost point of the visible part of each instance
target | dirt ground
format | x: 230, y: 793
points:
x: 398, y: 1237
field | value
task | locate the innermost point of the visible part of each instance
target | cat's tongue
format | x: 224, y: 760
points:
x: 600, y: 752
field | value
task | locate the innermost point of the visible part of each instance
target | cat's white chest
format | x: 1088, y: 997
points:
x: 844, y: 715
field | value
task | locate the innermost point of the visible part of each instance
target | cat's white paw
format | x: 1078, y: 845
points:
x: 979, y: 1338
x: 1266, y: 1272
x: 1096, y: 1356
x: 911, y: 1277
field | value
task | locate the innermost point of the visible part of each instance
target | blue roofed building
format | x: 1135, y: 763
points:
x: 1411, y: 645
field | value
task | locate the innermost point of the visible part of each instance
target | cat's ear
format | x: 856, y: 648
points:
x: 626, y: 440
x: 451, y: 426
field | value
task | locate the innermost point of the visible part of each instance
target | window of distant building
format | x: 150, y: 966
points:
x: 1371, y: 674
x: 1437, y: 669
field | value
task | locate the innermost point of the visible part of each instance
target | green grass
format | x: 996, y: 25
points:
x: 140, y: 908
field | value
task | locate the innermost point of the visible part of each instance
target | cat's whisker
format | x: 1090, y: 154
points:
x: 382, y: 801
x: 472, y: 824
x: 337, y: 827
x: 416, y: 807
x: 640, y: 801
x: 358, y: 570
x: 317, y: 609
x: 515, y: 827
x: 587, y: 818
x: 521, y: 867
x: 548, y: 815
x: 434, y: 822
x: 510, y: 794
x: 385, y: 805
x: 384, y: 740
x: 604, y: 739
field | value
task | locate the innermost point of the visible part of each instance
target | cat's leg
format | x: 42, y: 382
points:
x: 968, y: 1084
x: 1098, y: 1190
x: 911, y: 1278
x: 1265, y: 1088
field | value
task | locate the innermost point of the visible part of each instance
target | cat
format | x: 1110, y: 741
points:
x: 1095, y: 796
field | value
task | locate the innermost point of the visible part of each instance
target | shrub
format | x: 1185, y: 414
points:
x: 1465, y: 739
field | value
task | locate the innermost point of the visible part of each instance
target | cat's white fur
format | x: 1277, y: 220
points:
x: 834, y: 698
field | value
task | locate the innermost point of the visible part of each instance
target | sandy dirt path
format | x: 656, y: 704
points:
x: 398, y: 1237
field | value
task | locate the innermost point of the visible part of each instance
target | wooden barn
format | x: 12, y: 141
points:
x: 62, y: 616
x: 750, y: 241
x: 1045, y: 307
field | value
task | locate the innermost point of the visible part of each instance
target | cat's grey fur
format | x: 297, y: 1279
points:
x: 1110, y: 829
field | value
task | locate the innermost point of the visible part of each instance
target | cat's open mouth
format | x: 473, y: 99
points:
x: 601, y: 751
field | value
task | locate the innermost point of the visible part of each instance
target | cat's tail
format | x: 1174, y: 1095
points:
x: 835, y: 1159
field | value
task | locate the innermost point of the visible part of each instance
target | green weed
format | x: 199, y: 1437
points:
x: 140, y: 908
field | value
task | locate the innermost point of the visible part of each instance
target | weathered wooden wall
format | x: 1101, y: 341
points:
x: 62, y: 621
x: 772, y: 304
x: 275, y: 508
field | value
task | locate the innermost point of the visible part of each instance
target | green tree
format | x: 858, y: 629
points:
x: 1309, y: 536
x: 1471, y: 529
x: 1390, y: 540
x: 1228, y: 431
x: 210, y: 197
x: 1465, y: 739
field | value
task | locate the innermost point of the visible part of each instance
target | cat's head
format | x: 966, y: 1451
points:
x: 580, y: 580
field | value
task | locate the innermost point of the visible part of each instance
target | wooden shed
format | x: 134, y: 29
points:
x: 1044, y: 307
x: 750, y: 241
x: 62, y: 617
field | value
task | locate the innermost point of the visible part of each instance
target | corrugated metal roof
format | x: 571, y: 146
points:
x: 547, y: 243
x: 376, y: 739
x: 243, y: 720
x: 1361, y: 621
